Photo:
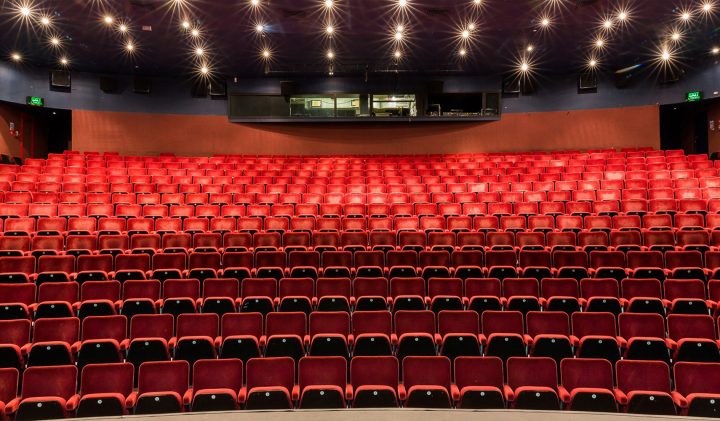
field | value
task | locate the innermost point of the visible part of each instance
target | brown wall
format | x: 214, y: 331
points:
x: 9, y: 145
x: 714, y: 135
x: 134, y: 133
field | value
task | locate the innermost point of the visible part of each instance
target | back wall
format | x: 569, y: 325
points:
x: 143, y: 133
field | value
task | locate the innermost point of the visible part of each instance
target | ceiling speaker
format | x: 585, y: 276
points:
x: 109, y: 85
x: 142, y: 85
x: 587, y: 81
x: 218, y: 89
x: 60, y: 79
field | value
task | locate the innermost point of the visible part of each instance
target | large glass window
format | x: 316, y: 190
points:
x: 398, y: 105
x: 348, y: 105
x: 312, y: 106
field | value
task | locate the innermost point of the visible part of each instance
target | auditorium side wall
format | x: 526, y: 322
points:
x: 143, y: 133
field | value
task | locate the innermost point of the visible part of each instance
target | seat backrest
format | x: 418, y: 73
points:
x: 201, y: 324
x: 691, y: 377
x: 8, y: 384
x: 107, y: 378
x: 18, y: 293
x: 433, y: 371
x: 502, y: 322
x: 336, y: 322
x: 586, y: 373
x: 59, y: 381
x: 478, y: 371
x: 376, y: 370
x: 218, y: 374
x: 270, y: 372
x: 642, y: 375
x: 641, y: 324
x: 593, y: 324
x: 104, y: 327
x: 531, y: 371
x: 294, y: 323
x: 63, y: 329
x: 378, y: 322
x: 547, y: 322
x: 690, y: 326
x: 164, y: 376
x: 152, y: 326
x: 320, y: 371
x: 466, y: 322
x: 236, y: 324
x: 414, y: 321
x: 181, y: 288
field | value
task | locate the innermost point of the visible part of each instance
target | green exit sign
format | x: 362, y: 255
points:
x: 35, y: 101
x: 694, y: 96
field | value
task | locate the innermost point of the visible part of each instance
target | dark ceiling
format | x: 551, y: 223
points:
x: 363, y: 37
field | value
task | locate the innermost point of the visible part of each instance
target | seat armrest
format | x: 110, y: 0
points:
x: 72, y: 403
x: 187, y: 396
x: 509, y: 393
x: 679, y: 400
x: 12, y: 406
x: 242, y: 395
x: 130, y: 401
x: 564, y: 395
x: 620, y: 397
x: 348, y: 392
x: 295, y: 392
x: 402, y: 393
x: 454, y: 393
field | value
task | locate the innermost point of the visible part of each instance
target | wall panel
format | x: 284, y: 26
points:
x: 136, y: 133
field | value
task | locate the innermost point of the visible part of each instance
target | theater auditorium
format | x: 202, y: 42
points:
x: 292, y: 210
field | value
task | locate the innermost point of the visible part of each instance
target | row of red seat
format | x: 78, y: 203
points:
x: 322, y: 383
x: 502, y: 334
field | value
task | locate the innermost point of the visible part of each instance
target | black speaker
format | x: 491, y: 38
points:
x: 511, y: 85
x: 587, y: 82
x: 60, y: 79
x: 199, y: 89
x: 287, y: 88
x: 218, y: 89
x: 109, y: 85
x: 142, y: 85
x: 435, y: 87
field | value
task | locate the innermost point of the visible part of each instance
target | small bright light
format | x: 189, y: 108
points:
x: 545, y: 22
x: 199, y: 51
x: 25, y: 11
x: 398, y: 36
x: 530, y: 48
x: 329, y: 4
x: 185, y: 24
x: 16, y: 57
x: 329, y: 29
x: 462, y: 52
x: 707, y: 6
x: 55, y: 41
x: 665, y: 55
x: 465, y: 34
x: 402, y: 3
x: 195, y: 33
x: 471, y: 26
x: 524, y: 67
x: 266, y: 53
x: 622, y: 16
x: 477, y: 2
x: 600, y: 43
x: 108, y: 19
x: 330, y: 55
x: 400, y: 28
x: 130, y: 46
x: 45, y: 20
x: 715, y: 50
x: 259, y: 28
x: 675, y: 36
x: 255, y: 3
x: 123, y: 28
x: 592, y: 62
x: 685, y: 16
x: 607, y: 24
x: 64, y: 61
x: 204, y: 70
x: 398, y: 54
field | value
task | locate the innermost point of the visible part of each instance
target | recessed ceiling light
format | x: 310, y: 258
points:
x: 622, y: 15
x: 530, y: 48
x: 330, y: 55
x: 398, y: 54
x: 15, y: 56
x: 259, y: 28
x: 195, y: 33
x: 477, y: 2
x: 545, y: 22
x: 462, y: 52
x: 55, y: 41
x: 707, y: 6
x: 185, y: 24
x: 266, y: 53
x: 204, y: 70
x: 329, y: 4
x: 130, y: 46
x: 465, y: 34
x: 64, y: 61
x: 25, y: 11
x: 45, y: 20
x: 329, y: 29
x: 108, y: 19
x: 599, y: 42
x: 524, y: 66
x: 675, y: 36
x: 199, y: 51
x: 685, y: 16
x: 665, y: 55
x: 471, y: 26
x: 607, y: 24
x: 122, y: 28
x: 255, y: 3
x: 398, y: 36
x: 402, y: 3
x: 592, y: 62
x: 715, y: 50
